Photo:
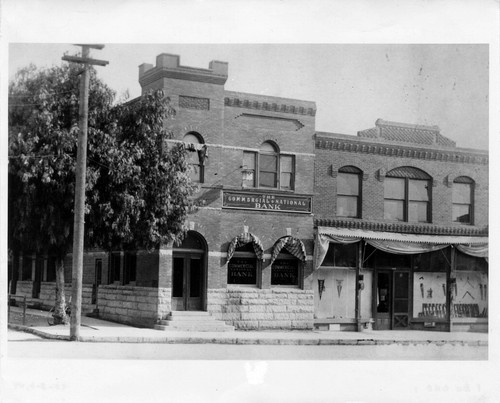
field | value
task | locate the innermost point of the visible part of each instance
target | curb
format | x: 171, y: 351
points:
x: 247, y: 341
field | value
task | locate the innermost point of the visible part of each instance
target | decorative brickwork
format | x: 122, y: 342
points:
x: 354, y: 146
x: 402, y: 228
x: 269, y: 106
x: 194, y: 103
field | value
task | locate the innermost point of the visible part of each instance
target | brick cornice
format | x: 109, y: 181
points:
x: 400, y: 151
x: 268, y: 106
x: 403, y: 228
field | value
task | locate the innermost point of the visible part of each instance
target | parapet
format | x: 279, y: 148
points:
x: 168, y: 66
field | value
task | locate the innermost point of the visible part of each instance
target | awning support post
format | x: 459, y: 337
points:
x: 358, y: 287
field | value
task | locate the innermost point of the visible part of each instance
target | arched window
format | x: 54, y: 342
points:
x: 269, y: 168
x: 462, y: 199
x: 407, y: 195
x: 197, y: 169
x: 349, y: 192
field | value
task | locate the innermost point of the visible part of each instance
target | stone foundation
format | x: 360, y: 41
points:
x: 139, y: 306
x: 263, y: 309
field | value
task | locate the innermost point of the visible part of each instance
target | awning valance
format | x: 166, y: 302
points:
x: 242, y: 240
x: 396, y: 243
x: 292, y: 245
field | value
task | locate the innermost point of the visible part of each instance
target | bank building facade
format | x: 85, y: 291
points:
x: 294, y: 228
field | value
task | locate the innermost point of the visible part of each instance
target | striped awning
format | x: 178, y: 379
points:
x: 398, y: 237
x: 292, y: 245
x: 242, y: 240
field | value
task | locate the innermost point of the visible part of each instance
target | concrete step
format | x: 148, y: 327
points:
x: 200, y: 321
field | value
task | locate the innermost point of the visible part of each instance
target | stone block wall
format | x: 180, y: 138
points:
x: 258, y: 309
x: 139, y: 306
x: 47, y: 295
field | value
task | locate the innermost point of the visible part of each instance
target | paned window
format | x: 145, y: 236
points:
x: 348, y: 192
x: 268, y: 168
x: 407, y: 195
x: 463, y: 190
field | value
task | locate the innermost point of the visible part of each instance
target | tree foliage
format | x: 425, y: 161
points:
x: 137, y: 185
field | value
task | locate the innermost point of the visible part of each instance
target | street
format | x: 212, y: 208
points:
x: 23, y: 345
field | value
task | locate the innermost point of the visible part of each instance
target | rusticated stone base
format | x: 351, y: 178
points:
x: 248, y: 308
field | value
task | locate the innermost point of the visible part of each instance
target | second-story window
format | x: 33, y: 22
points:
x: 194, y: 161
x: 407, y: 195
x: 348, y: 192
x: 268, y: 168
x: 463, y: 190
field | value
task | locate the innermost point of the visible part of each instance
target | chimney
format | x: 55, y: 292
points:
x: 167, y: 60
x: 143, y: 68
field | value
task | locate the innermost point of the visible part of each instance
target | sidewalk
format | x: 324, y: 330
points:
x: 96, y: 330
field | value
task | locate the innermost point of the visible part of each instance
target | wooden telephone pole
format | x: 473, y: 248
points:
x: 81, y: 167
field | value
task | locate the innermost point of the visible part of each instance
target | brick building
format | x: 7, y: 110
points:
x: 403, y: 213
x: 289, y: 220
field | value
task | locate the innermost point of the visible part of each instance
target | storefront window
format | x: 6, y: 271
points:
x: 242, y: 268
x: 341, y: 255
x: 429, y: 295
x: 437, y: 261
x: 285, y: 270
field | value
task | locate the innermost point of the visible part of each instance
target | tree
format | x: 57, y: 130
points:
x: 137, y: 187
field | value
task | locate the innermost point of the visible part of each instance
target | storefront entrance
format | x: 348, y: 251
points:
x: 391, y: 299
x: 188, y: 274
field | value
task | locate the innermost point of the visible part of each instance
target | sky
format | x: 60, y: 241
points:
x: 352, y: 84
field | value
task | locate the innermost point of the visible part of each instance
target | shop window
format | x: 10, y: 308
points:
x: 341, y: 255
x: 348, y: 192
x: 470, y: 263
x: 51, y: 269
x: 437, y: 261
x: 196, y: 166
x: 268, y: 168
x: 463, y: 196
x: 285, y: 270
x: 242, y: 268
x: 407, y: 195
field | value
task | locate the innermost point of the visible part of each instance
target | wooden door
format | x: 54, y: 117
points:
x: 383, y: 300
x: 187, y: 282
x: 401, y: 300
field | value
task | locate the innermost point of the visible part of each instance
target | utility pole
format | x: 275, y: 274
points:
x: 81, y: 168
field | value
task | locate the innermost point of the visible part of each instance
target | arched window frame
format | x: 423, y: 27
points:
x: 463, y: 197
x: 260, y: 171
x: 403, y: 186
x: 350, y: 194
x: 198, y: 169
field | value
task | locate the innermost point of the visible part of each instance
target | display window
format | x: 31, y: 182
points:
x: 285, y: 270
x: 242, y: 269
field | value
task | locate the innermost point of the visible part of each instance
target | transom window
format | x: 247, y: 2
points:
x: 407, y: 195
x: 268, y: 168
x: 348, y: 192
x: 463, y: 192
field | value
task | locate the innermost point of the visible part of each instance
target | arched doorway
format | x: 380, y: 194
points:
x: 189, y: 274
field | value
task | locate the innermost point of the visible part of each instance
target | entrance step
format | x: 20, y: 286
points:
x: 197, y: 321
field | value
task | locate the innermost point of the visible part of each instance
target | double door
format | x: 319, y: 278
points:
x: 391, y: 299
x: 187, y: 282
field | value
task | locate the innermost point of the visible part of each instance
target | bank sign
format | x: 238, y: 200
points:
x: 266, y: 202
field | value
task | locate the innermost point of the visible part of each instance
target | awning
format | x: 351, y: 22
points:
x: 292, y: 245
x: 242, y: 240
x: 397, y: 243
